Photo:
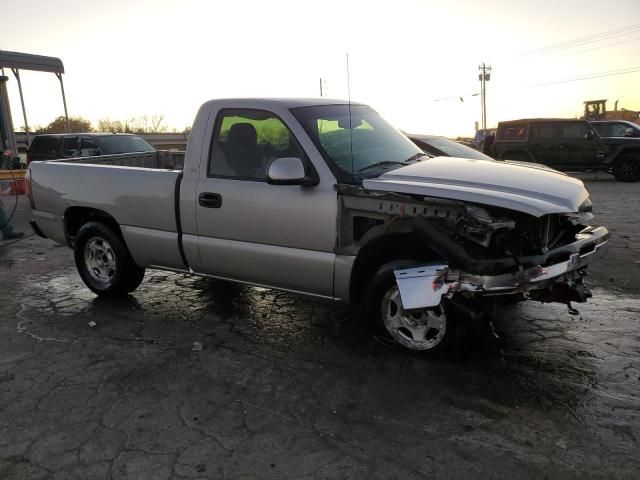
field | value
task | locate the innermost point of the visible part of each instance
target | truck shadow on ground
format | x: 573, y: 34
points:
x: 525, y: 368
x: 545, y: 359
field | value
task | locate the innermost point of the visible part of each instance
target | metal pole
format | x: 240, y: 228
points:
x: 320, y: 86
x: 484, y: 75
x: 16, y: 73
x: 64, y: 100
x: 7, y: 122
x: 481, y: 78
x: 484, y: 97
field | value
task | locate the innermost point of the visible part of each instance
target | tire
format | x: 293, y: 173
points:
x: 429, y: 330
x: 104, y: 263
x: 627, y: 168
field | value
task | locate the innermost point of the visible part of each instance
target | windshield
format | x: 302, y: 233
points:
x: 363, y: 145
x: 123, y: 144
x: 455, y: 149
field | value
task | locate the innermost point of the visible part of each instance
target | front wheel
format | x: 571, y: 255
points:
x: 627, y: 169
x: 425, y: 329
x: 103, y: 261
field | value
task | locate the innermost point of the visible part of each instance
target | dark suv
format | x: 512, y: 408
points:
x: 71, y: 145
x: 566, y: 144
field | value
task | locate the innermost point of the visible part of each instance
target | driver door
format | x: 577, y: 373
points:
x: 251, y: 231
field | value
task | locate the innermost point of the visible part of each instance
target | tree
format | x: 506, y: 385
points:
x: 111, y: 126
x: 157, y: 124
x: 142, y: 124
x: 59, y: 125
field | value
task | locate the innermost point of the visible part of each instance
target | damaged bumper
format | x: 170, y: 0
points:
x: 558, y: 273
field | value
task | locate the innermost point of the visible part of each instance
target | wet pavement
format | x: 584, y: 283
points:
x: 194, y: 378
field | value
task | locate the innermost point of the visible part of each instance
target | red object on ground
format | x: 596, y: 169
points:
x: 17, y: 186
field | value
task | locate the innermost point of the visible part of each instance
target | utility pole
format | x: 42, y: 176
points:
x: 323, y: 87
x: 484, y: 76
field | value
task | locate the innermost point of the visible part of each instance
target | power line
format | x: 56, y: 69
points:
x: 601, y: 46
x: 578, y: 42
x: 590, y: 76
x: 581, y: 41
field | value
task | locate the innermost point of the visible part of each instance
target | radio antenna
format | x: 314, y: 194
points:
x: 350, y: 125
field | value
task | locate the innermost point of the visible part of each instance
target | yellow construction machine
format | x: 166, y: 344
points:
x: 597, y: 110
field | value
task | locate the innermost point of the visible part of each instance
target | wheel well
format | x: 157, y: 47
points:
x: 75, y: 217
x: 383, y: 250
x: 629, y: 153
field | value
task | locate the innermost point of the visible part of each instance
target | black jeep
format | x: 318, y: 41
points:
x: 569, y: 145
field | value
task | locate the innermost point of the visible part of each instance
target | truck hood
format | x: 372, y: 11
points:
x: 531, y: 189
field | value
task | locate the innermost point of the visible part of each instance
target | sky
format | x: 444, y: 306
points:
x: 129, y: 58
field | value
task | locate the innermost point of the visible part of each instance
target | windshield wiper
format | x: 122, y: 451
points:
x: 383, y: 163
x: 416, y: 157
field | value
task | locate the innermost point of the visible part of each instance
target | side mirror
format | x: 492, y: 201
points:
x: 588, y: 135
x: 629, y: 132
x: 289, y: 171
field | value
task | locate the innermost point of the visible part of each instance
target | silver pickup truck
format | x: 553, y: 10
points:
x: 326, y: 199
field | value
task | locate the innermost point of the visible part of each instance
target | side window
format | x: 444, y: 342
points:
x: 43, y: 145
x: 88, y: 148
x: 246, y: 141
x: 70, y: 147
x: 618, y: 130
x: 514, y: 133
x: 542, y: 131
x: 574, y: 130
x: 603, y: 129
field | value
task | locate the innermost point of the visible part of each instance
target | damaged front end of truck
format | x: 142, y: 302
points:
x: 465, y: 250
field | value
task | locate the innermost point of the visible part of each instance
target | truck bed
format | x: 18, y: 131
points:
x: 137, y: 190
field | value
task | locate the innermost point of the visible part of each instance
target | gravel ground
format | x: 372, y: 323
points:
x: 191, y: 378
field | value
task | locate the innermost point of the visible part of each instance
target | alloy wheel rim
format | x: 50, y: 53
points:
x: 419, y: 329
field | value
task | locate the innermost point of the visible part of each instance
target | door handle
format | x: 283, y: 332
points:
x: 562, y: 147
x: 210, y: 200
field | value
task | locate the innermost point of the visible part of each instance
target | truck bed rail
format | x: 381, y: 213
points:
x: 162, y: 159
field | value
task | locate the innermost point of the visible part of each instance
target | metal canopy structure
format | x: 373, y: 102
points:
x: 27, y: 61
x: 17, y: 61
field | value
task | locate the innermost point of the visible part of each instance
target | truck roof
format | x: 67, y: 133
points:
x: 535, y: 120
x: 84, y: 134
x: 283, y: 102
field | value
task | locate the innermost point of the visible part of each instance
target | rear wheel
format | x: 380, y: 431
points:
x: 425, y: 329
x: 627, y: 168
x: 103, y: 261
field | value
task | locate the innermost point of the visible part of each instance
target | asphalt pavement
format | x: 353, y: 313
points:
x: 194, y: 378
